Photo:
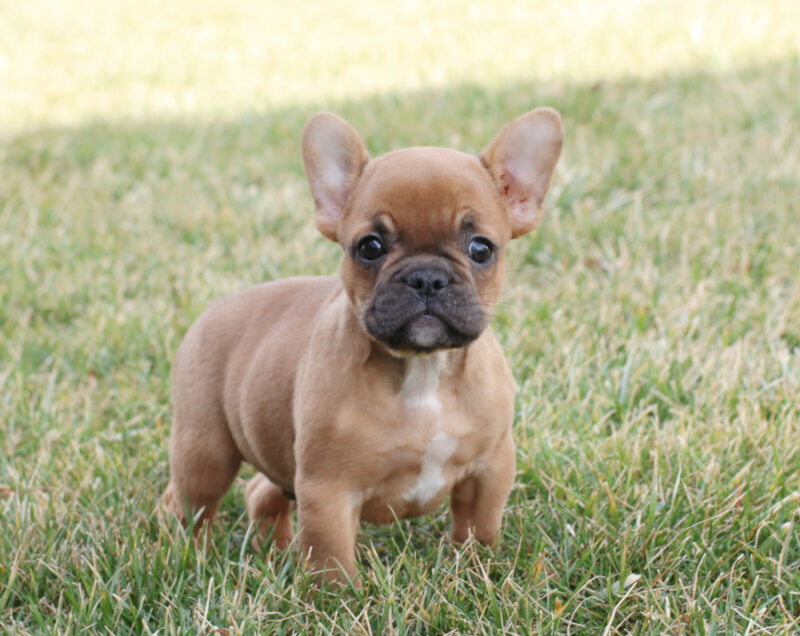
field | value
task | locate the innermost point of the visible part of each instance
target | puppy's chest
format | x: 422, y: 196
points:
x: 431, y: 445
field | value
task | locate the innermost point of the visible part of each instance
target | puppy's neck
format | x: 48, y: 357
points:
x: 423, y: 374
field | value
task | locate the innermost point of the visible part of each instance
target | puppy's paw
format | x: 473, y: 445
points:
x: 270, y: 511
x: 171, y: 505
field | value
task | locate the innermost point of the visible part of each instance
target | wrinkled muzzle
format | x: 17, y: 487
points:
x: 425, y: 306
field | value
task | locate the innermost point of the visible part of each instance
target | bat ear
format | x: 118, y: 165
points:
x: 334, y: 156
x: 521, y: 159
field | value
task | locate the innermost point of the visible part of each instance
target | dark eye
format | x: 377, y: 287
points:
x: 480, y: 250
x: 370, y: 248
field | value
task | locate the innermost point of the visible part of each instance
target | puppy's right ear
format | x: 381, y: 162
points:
x: 334, y: 156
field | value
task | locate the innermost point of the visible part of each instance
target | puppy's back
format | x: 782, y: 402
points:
x: 216, y: 352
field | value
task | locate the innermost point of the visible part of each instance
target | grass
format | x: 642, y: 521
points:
x: 149, y: 163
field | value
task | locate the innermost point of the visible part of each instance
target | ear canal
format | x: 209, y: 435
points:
x: 334, y: 156
x: 521, y: 159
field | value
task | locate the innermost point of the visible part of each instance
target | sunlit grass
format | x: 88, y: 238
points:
x: 150, y: 164
x: 66, y: 62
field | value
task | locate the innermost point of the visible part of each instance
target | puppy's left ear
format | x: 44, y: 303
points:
x: 521, y: 159
x: 333, y: 155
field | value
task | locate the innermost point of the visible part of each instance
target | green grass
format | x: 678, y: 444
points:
x: 149, y: 163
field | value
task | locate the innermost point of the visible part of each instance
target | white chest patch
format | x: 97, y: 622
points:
x: 431, y: 480
x: 421, y: 383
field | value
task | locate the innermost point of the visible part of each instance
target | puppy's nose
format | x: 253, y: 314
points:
x: 427, y: 282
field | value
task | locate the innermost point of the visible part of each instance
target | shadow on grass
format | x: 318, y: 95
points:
x: 647, y: 116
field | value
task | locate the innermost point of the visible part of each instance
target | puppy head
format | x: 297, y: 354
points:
x: 424, y: 230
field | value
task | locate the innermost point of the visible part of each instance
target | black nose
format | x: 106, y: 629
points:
x: 427, y: 282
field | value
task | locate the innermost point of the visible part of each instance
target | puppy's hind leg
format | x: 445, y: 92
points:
x: 270, y: 510
x: 203, y: 462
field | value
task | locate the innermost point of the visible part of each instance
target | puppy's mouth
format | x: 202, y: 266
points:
x: 428, y: 332
x: 403, y: 321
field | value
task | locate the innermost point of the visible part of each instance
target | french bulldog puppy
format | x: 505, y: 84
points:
x: 376, y: 393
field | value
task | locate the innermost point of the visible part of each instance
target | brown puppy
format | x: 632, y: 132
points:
x: 374, y: 394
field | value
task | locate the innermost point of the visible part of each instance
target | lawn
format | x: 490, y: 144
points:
x: 150, y: 163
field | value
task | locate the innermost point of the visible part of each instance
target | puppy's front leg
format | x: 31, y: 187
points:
x: 328, y: 517
x: 477, y: 502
